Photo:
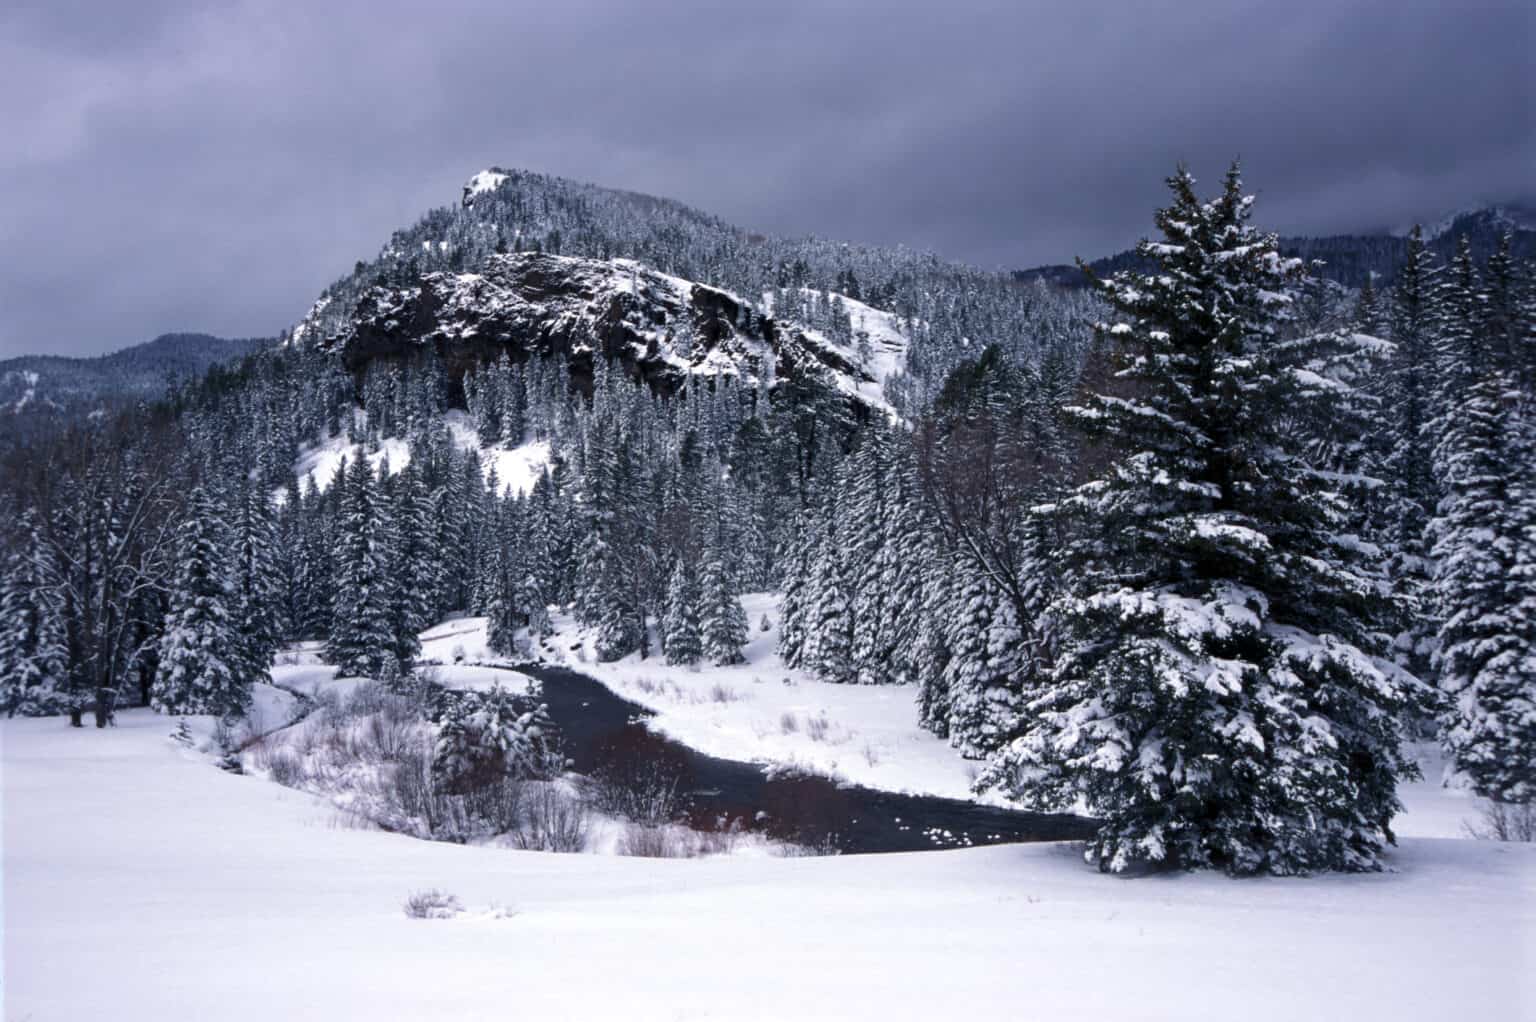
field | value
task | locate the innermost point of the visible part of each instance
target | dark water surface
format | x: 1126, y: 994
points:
x: 604, y: 732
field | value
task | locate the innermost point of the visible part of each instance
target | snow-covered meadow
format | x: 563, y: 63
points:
x: 141, y: 883
x: 178, y: 889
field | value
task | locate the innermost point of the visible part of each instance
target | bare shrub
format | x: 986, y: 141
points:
x: 723, y: 839
x: 816, y: 728
x: 871, y: 756
x: 432, y: 904
x: 328, y: 709
x: 385, y: 735
x: 553, y: 822
x: 723, y: 694
x: 367, y: 698
x: 501, y: 807
x: 788, y: 723
x: 285, y: 768
x: 304, y: 741
x: 641, y: 790
x: 344, y: 818
x: 824, y: 845
x: 1506, y: 821
x: 652, y: 842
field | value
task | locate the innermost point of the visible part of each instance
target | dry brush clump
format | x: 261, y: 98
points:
x: 432, y: 904
x: 1506, y: 821
x: 554, y: 821
x: 413, y: 757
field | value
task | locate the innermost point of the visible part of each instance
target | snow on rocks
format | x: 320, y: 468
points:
x: 484, y: 181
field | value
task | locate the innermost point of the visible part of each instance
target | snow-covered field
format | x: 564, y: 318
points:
x: 141, y: 883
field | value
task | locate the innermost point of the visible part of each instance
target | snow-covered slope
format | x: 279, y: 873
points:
x: 877, y: 349
x: 482, y: 182
x: 516, y: 468
x: 142, y: 884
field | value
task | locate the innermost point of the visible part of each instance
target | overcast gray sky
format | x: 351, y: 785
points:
x: 211, y: 166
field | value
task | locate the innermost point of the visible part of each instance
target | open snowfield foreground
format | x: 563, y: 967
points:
x: 141, y: 883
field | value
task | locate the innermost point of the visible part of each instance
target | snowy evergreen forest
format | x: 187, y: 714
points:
x: 1196, y: 550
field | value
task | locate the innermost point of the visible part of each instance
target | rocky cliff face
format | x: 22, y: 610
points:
x: 662, y: 329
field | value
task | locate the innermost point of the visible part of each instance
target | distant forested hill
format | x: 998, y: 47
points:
x: 1350, y: 258
x: 40, y: 391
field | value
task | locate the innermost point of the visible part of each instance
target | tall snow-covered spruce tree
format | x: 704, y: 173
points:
x: 1484, y: 535
x: 361, y: 639
x: 680, y: 625
x: 1220, y: 700
x: 203, y: 668
x: 32, y: 654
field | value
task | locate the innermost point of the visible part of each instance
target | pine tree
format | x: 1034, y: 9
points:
x: 795, y: 608
x: 1409, y: 464
x: 1484, y: 537
x: 258, y: 586
x: 931, y: 655
x: 873, y: 560
x: 534, y: 602
x: 501, y: 608
x: 201, y: 667
x: 1368, y: 318
x: 1483, y: 594
x: 985, y: 668
x: 413, y: 564
x: 1218, y: 701
x: 722, y: 622
x: 361, y: 638
x: 32, y: 653
x: 829, y: 627
x: 680, y: 623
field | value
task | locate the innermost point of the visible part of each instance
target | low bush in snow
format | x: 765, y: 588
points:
x: 639, y: 780
x: 1506, y: 821
x: 553, y: 821
x: 486, y: 736
x: 654, y: 842
x: 432, y: 904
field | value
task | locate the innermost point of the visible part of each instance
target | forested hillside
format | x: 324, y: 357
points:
x: 1352, y: 259
x: 38, y: 393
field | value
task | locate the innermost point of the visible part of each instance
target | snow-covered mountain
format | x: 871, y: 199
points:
x: 540, y: 264
x: 661, y: 328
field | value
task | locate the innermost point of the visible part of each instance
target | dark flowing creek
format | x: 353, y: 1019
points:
x: 602, y: 732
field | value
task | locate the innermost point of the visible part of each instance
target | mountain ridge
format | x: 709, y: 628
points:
x: 1349, y: 258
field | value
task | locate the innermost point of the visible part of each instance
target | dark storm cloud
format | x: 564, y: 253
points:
x: 176, y: 166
